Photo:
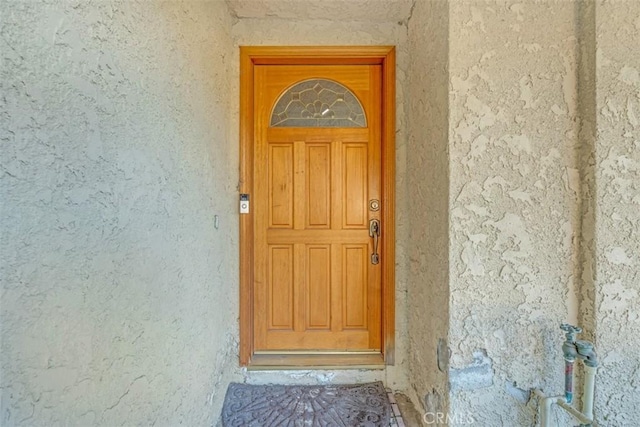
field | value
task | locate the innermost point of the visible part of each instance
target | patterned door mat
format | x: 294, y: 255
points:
x: 331, y: 405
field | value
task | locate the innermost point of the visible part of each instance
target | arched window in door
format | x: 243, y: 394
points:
x: 318, y: 103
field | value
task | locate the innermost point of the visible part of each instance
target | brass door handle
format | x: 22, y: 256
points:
x: 374, y: 232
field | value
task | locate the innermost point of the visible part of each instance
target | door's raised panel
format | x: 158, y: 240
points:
x: 314, y: 340
x: 281, y: 185
x: 318, y: 189
x: 318, y: 264
x: 281, y: 280
x: 354, y: 285
x: 354, y: 185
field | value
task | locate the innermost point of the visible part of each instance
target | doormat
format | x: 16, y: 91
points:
x: 331, y: 405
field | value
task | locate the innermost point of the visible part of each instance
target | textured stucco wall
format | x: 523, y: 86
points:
x: 118, y: 302
x: 515, y: 202
x: 617, y: 236
x: 255, y: 32
x: 367, y: 11
x: 119, y: 146
x: 428, y: 206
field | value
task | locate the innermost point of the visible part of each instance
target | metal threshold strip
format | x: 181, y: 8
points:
x: 305, y: 359
x: 318, y: 352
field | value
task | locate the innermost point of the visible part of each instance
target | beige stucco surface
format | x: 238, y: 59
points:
x: 117, y: 290
x: 513, y: 202
x: 617, y: 194
x: 518, y: 132
x: 542, y: 212
x: 428, y: 206
x: 365, y: 11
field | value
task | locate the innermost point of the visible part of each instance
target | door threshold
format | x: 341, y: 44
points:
x: 317, y: 352
x: 324, y: 360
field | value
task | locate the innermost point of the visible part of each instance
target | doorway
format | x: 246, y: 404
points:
x: 317, y: 170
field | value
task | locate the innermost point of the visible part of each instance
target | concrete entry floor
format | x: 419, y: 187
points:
x: 410, y: 417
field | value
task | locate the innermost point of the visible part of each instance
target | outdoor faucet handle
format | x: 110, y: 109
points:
x: 570, y: 328
x: 571, y: 331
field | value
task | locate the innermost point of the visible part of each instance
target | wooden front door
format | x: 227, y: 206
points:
x: 316, y: 210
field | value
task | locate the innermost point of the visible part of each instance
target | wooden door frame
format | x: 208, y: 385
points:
x: 250, y: 56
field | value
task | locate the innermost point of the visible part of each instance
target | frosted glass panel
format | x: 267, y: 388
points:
x: 318, y: 103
